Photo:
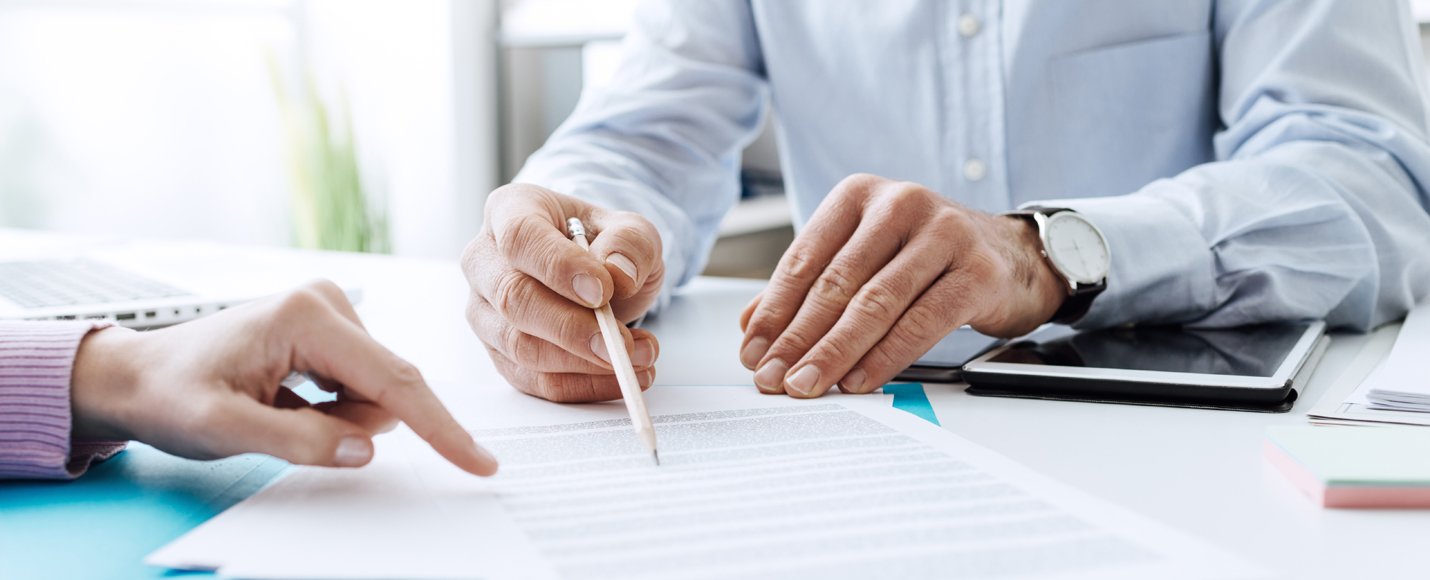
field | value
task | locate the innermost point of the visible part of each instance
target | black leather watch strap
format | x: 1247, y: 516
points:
x: 1079, y: 300
x: 1076, y: 305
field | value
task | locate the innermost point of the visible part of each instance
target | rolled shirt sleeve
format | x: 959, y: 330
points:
x: 36, y: 364
x: 1316, y: 207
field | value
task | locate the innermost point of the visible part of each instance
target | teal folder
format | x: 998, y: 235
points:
x: 101, y: 525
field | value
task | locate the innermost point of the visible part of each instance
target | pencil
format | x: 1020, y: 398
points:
x: 620, y: 359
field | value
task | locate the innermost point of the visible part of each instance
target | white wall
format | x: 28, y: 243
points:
x: 157, y: 118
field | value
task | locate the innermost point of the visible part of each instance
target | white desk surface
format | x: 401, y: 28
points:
x: 1198, y: 470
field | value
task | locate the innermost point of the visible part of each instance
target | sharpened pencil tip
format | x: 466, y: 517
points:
x: 656, y: 456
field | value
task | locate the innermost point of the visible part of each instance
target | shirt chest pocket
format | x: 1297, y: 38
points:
x: 1132, y: 113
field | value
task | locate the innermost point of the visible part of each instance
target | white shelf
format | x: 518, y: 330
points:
x: 564, y: 23
x: 759, y: 214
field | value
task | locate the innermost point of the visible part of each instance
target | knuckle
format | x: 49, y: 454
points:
x: 405, y: 375
x: 759, y: 325
x: 952, y: 220
x: 876, y: 301
x: 326, y: 289
x: 302, y: 302
x: 405, y: 378
x: 499, y: 195
x: 509, y: 341
x: 905, y: 196
x: 878, y: 363
x: 922, y: 322
x: 524, y: 384
x: 794, y: 341
x: 556, y: 388
x: 646, y: 230
x: 835, y: 349
x: 513, y: 290
x: 857, y: 183
x: 511, y: 193
x: 835, y: 285
x: 517, y: 235
x: 525, y: 350
x: 471, y: 253
x: 573, y: 330
x: 801, y: 264
x: 204, y: 415
x: 474, y: 314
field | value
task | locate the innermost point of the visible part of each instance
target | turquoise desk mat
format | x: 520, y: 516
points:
x: 103, y: 524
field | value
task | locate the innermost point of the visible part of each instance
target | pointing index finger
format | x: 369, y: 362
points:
x: 339, y: 349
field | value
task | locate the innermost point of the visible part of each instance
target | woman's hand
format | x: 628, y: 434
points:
x: 210, y: 388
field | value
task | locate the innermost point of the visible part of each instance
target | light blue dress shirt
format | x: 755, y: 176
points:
x: 1248, y: 160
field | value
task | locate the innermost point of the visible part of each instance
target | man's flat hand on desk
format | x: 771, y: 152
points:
x: 211, y: 388
x: 881, y: 273
x: 533, y: 290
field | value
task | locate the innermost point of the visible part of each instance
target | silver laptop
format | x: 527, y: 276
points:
x: 142, y: 289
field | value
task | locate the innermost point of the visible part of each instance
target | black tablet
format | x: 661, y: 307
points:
x: 1251, y: 368
x: 944, y: 362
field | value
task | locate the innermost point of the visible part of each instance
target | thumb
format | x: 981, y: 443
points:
x: 302, y: 436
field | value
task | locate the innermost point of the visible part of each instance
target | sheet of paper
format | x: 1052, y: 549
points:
x: 760, y: 486
x: 1402, y: 369
x: 1401, y: 382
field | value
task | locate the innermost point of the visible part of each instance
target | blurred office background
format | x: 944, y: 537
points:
x: 371, y: 125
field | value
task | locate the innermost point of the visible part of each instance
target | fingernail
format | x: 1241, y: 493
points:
x: 754, y: 351
x: 853, y: 381
x: 485, y: 456
x: 624, y: 264
x: 483, y: 453
x: 802, y: 381
x: 769, y: 377
x: 353, y: 452
x: 598, y: 346
x: 588, y: 288
x: 645, y: 353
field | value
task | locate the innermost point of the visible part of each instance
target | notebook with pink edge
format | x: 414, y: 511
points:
x: 1355, y: 467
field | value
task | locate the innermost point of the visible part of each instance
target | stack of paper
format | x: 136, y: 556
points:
x: 1402, y: 382
x: 749, y: 486
x: 1385, y: 388
x: 1354, y: 468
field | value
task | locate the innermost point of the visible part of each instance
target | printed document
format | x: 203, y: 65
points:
x: 1381, y: 387
x: 763, y: 487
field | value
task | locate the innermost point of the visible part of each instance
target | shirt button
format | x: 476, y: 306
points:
x: 968, y: 25
x: 975, y: 170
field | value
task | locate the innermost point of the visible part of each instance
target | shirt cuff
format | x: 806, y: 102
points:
x: 1162, y: 269
x: 36, y: 365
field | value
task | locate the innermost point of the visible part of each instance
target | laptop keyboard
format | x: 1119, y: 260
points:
x: 50, y: 283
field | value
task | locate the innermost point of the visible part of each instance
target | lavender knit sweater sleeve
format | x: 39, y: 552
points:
x: 36, y: 359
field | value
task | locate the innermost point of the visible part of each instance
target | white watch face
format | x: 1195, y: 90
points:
x: 1076, y: 247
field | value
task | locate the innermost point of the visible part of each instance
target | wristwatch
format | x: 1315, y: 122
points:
x: 1078, y: 253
